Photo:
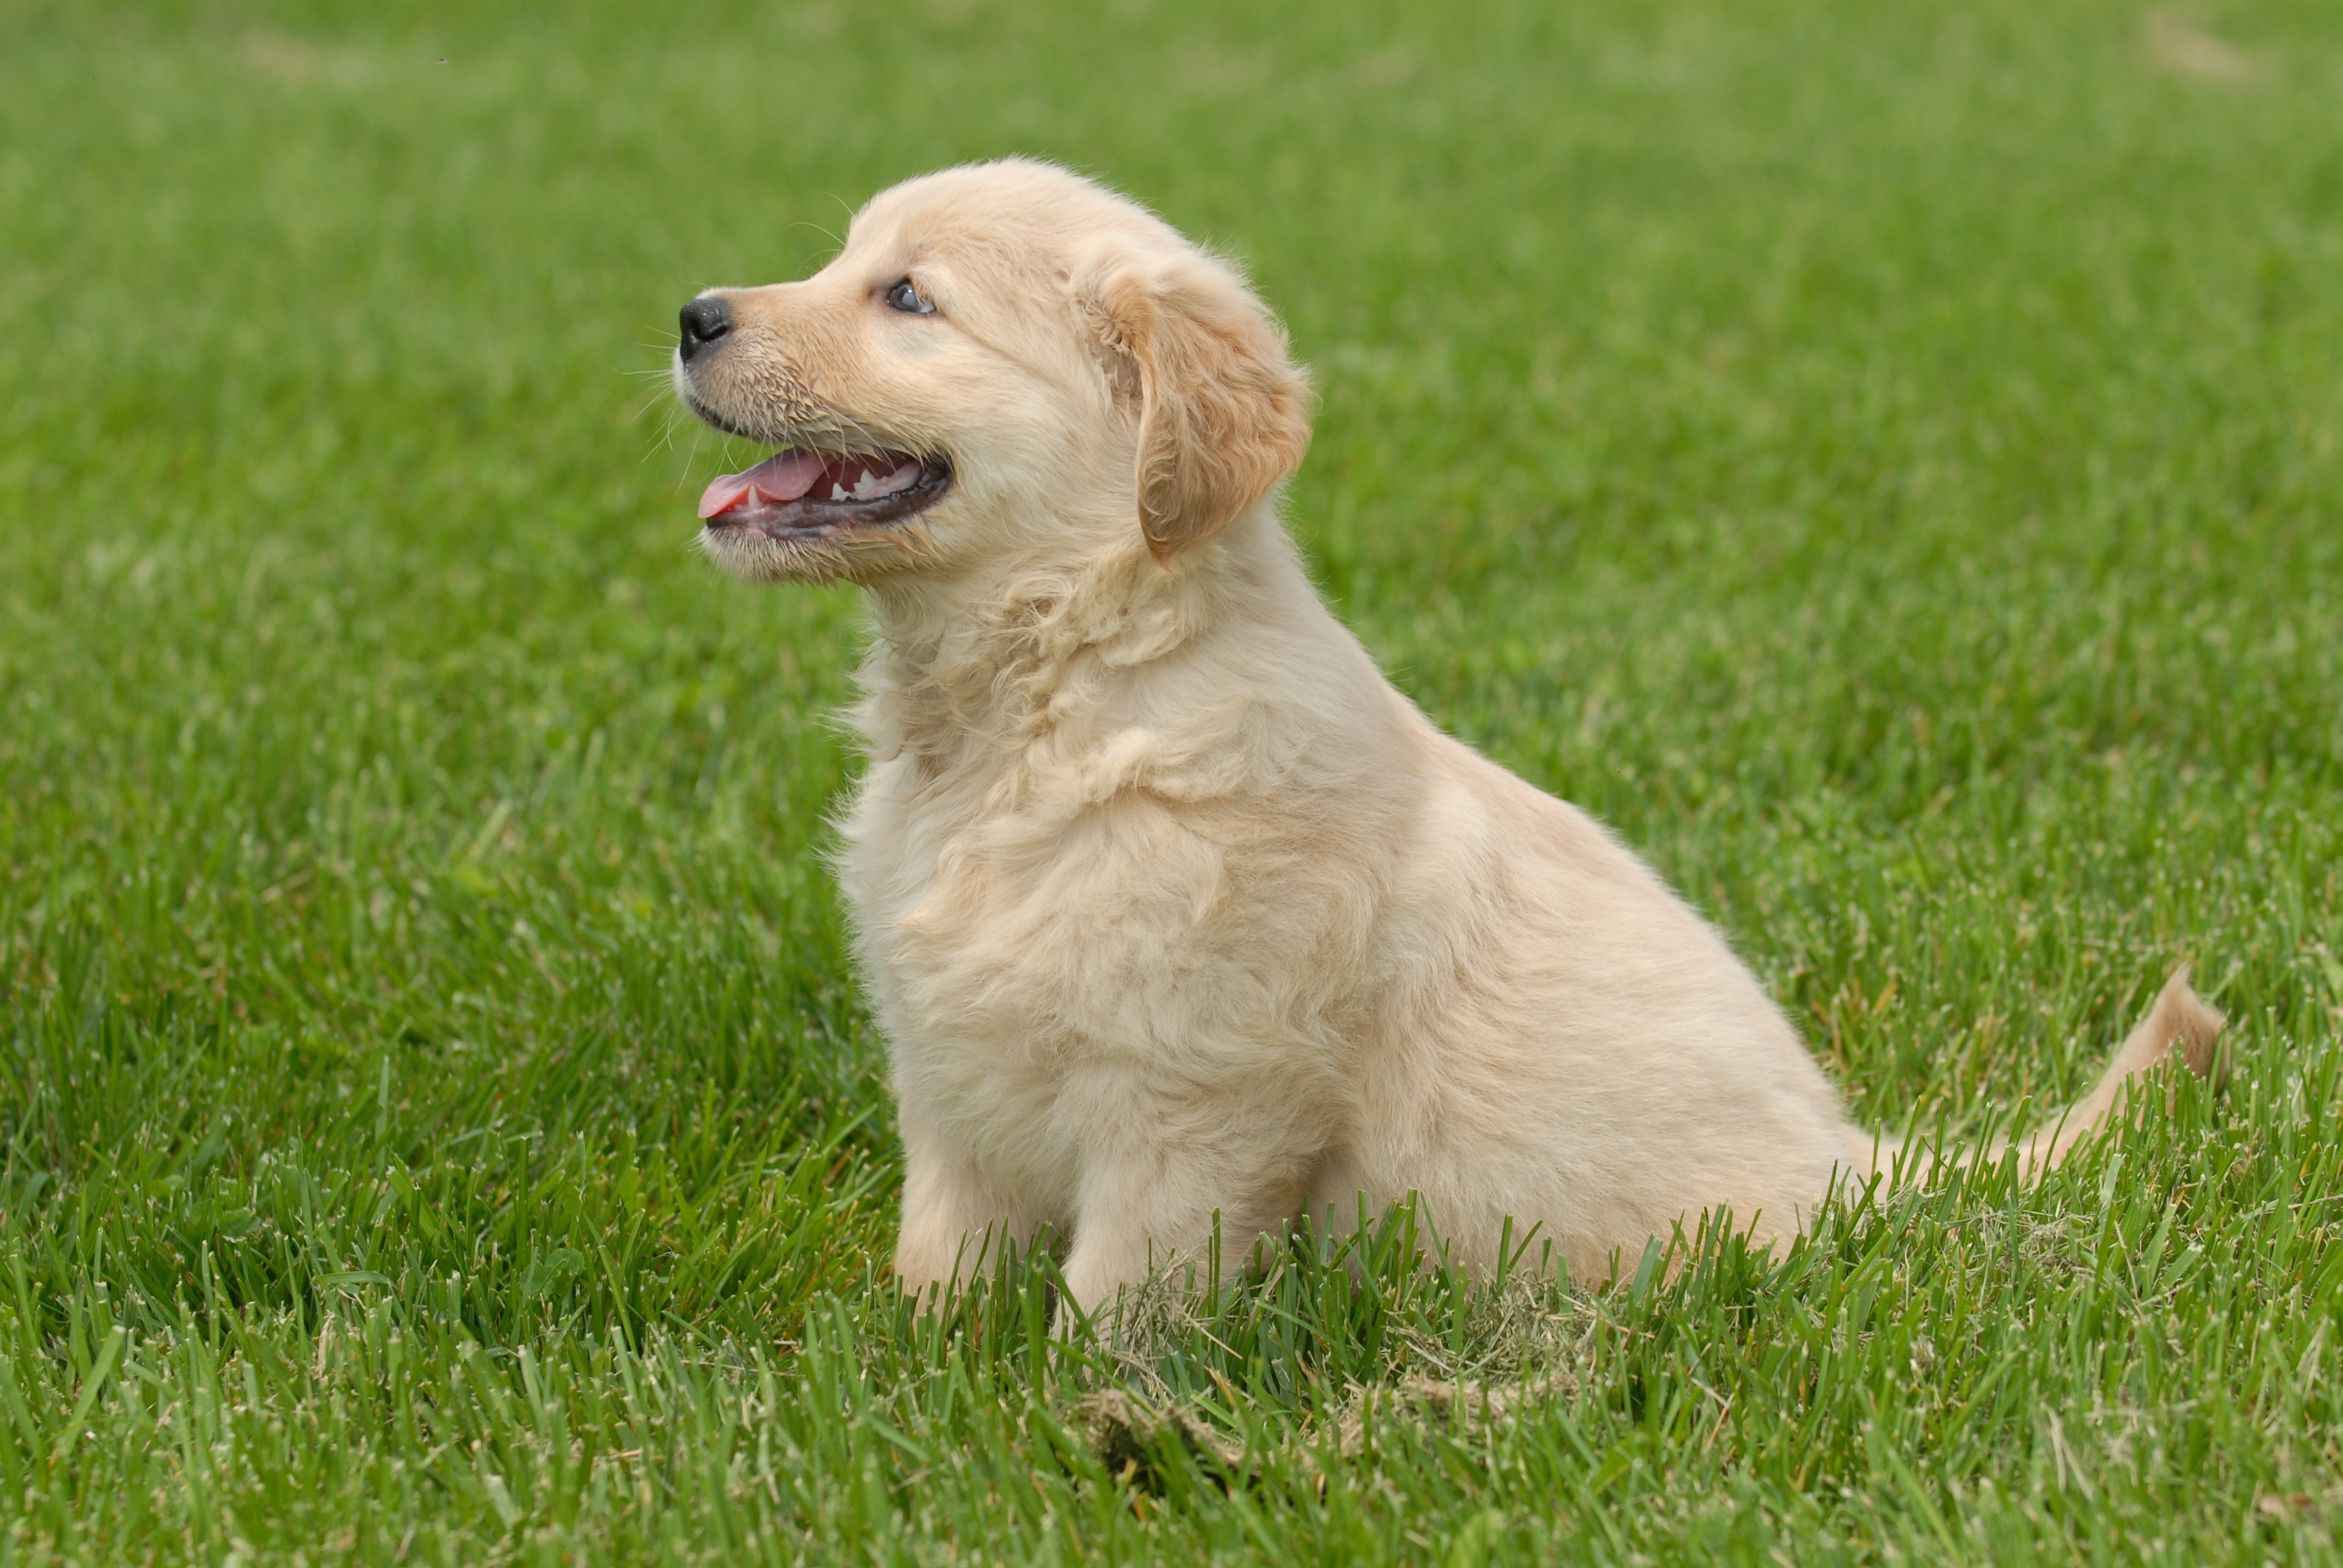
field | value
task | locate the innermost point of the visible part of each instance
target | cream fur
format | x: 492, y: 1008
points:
x: 1169, y: 905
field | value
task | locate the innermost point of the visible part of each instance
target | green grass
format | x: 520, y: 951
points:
x: 1883, y: 459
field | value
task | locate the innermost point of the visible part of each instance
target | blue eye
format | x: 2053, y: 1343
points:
x: 906, y: 298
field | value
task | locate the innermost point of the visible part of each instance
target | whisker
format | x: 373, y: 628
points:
x: 682, y: 475
x: 825, y: 234
x: 666, y: 432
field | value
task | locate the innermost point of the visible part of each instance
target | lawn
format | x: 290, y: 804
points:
x: 1886, y: 460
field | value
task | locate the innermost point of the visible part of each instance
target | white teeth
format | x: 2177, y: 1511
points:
x: 870, y: 485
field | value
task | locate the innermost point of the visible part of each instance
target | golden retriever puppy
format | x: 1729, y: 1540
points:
x: 1170, y: 906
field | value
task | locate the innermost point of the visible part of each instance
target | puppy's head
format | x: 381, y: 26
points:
x: 1006, y: 362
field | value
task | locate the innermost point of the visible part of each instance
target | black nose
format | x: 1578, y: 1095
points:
x: 703, y: 321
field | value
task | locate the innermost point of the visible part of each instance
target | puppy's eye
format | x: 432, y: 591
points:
x: 906, y: 298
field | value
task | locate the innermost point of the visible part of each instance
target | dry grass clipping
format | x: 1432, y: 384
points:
x: 1520, y: 1345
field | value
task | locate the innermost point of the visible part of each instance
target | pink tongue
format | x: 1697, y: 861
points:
x: 777, y: 480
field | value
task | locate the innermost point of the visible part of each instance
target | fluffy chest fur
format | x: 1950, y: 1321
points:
x: 1090, y: 861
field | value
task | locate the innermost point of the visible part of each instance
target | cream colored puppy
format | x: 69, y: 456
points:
x: 1169, y: 905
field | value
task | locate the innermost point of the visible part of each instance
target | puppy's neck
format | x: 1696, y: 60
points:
x: 966, y: 670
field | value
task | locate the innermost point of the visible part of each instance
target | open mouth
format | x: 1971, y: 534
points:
x: 800, y: 495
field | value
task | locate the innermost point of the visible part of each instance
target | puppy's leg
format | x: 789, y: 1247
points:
x: 1143, y: 1207
x: 2180, y: 1019
x: 955, y: 1218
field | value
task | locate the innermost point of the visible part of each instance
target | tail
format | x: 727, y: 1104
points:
x: 2180, y: 1020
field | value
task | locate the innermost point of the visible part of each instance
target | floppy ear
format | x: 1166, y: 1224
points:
x: 1223, y: 415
